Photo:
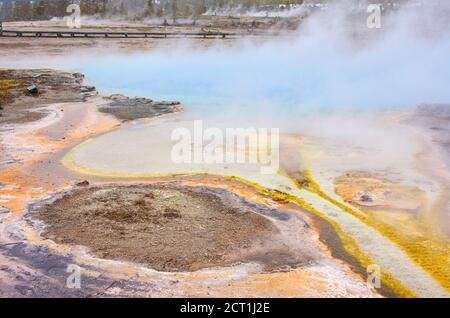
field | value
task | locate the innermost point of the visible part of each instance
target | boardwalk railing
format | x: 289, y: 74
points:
x: 87, y: 34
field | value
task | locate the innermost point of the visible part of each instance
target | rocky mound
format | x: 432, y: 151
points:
x: 125, y: 108
x: 21, y: 91
x: 171, y: 228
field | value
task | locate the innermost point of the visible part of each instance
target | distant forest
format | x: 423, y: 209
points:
x: 133, y: 9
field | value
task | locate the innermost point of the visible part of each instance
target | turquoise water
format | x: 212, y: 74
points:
x: 283, y: 77
x: 202, y: 81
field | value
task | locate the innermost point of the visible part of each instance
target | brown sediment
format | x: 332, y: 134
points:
x: 370, y: 192
x: 168, y: 228
x: 171, y: 227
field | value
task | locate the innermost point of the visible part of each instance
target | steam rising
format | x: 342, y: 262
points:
x: 332, y: 62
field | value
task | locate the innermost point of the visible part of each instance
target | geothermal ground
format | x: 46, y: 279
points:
x: 198, y: 225
x: 173, y: 228
x: 86, y: 180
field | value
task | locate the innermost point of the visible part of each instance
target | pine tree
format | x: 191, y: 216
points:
x: 22, y: 11
x: 160, y: 11
x: 39, y: 10
x: 150, y: 9
x: 174, y: 9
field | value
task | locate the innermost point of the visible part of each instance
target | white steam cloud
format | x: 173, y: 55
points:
x: 332, y: 62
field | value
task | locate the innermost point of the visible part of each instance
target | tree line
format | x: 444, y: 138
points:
x: 134, y: 9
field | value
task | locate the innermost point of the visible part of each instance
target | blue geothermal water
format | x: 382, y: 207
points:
x: 397, y: 72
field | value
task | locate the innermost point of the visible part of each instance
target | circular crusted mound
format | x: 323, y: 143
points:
x: 167, y: 227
